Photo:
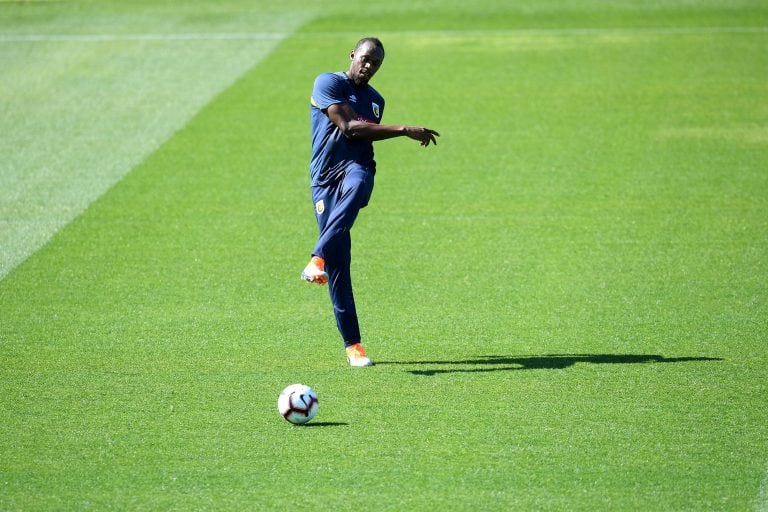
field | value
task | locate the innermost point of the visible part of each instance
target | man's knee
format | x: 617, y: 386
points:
x: 358, y: 187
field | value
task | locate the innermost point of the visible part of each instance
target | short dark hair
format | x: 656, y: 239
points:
x: 374, y: 40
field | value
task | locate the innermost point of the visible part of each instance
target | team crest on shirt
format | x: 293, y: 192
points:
x: 376, y: 110
x: 320, y: 207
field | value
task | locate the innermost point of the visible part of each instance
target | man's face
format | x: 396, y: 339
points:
x: 366, y: 61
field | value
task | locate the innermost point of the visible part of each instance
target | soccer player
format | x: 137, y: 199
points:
x: 345, y: 116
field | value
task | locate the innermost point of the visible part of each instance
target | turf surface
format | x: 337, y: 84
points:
x: 566, y: 297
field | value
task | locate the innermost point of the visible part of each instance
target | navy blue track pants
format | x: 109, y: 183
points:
x: 336, y: 208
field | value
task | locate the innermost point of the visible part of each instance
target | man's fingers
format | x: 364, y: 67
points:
x: 424, y: 135
x: 429, y: 136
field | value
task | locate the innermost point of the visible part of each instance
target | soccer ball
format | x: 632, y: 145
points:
x: 298, y: 403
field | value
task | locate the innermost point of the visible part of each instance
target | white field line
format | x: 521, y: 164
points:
x: 593, y: 31
x: 104, y: 38
x: 761, y: 503
x: 256, y: 36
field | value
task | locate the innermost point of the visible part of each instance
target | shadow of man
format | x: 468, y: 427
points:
x: 495, y: 363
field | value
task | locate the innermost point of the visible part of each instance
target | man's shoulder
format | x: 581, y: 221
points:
x: 329, y: 88
x: 330, y: 78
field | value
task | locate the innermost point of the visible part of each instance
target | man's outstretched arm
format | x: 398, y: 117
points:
x: 345, y: 118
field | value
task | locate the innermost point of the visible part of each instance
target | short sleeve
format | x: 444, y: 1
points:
x: 328, y: 90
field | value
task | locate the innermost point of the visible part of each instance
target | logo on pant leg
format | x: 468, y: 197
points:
x: 320, y: 207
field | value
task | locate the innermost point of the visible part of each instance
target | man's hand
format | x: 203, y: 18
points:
x: 421, y: 134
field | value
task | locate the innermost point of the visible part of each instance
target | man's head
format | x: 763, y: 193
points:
x: 366, y: 60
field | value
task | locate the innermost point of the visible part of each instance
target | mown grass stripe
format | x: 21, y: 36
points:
x: 78, y: 116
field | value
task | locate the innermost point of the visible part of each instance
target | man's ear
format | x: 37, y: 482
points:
x: 352, y: 55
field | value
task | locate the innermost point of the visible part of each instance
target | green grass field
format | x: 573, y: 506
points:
x: 566, y: 298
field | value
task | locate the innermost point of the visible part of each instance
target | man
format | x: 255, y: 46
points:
x: 345, y: 115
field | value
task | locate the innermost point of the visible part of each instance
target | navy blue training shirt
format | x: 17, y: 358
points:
x: 332, y: 153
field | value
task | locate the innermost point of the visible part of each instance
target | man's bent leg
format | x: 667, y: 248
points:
x: 337, y: 207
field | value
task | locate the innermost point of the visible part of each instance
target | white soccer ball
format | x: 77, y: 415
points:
x: 298, y: 403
